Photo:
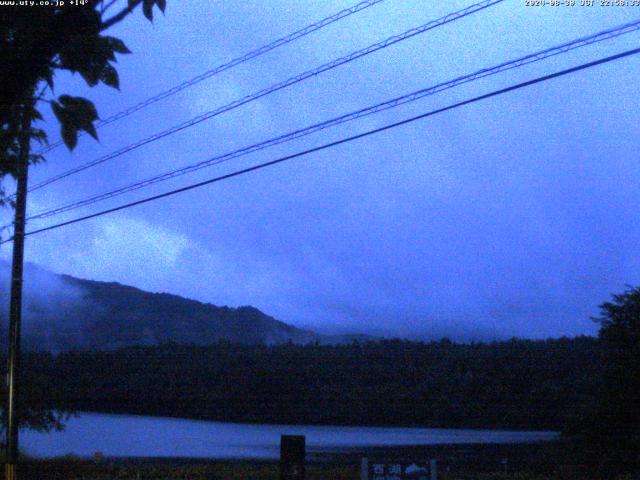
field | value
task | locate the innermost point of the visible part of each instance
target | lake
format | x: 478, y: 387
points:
x: 141, y: 436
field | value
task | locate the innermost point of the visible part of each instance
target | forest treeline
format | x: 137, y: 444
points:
x: 522, y: 384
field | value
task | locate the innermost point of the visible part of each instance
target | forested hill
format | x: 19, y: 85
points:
x: 514, y: 384
x: 130, y: 316
x: 65, y: 313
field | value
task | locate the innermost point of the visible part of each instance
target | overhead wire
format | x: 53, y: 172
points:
x: 230, y: 64
x: 451, y: 17
x: 325, y: 146
x: 607, y: 34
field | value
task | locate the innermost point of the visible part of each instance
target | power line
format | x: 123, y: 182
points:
x: 260, y: 166
x: 274, y: 88
x: 232, y: 63
x: 511, y: 64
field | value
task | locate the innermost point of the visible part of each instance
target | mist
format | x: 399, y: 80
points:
x: 49, y: 301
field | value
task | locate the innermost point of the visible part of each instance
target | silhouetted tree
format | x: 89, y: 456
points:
x: 514, y: 384
x: 616, y: 428
x: 35, y: 43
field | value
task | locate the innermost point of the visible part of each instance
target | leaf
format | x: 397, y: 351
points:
x: 35, y: 114
x: 90, y: 57
x: 91, y: 130
x: 110, y: 77
x: 87, y: 56
x: 117, y: 45
x: 48, y: 77
x: 58, y: 111
x: 162, y: 4
x: 147, y: 9
x: 74, y: 114
x: 39, y: 135
x: 69, y: 136
x: 90, y: 76
x: 35, y: 158
x: 83, y: 108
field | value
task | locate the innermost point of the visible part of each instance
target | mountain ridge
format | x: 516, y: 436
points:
x: 63, y: 312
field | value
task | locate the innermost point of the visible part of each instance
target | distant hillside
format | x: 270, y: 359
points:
x: 63, y: 313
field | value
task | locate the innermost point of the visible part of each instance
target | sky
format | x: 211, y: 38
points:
x: 514, y: 216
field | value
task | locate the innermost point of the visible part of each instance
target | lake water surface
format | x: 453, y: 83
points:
x: 140, y: 436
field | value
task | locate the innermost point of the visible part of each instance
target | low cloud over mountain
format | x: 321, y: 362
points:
x: 63, y: 313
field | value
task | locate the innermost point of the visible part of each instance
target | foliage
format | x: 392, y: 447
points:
x: 75, y: 113
x: 614, y: 425
x: 36, y: 413
x: 10, y: 147
x: 76, y: 469
x: 35, y: 43
x: 71, y: 468
x: 513, y: 384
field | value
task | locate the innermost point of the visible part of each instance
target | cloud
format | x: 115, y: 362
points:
x: 116, y: 248
x: 515, y: 216
x: 45, y: 297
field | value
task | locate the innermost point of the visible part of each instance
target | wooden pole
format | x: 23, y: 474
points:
x: 15, y: 308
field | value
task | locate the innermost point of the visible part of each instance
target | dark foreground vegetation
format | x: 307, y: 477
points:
x: 515, y: 384
x: 70, y: 468
x: 455, y: 462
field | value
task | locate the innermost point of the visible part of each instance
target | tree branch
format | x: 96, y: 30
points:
x: 104, y: 8
x: 118, y: 17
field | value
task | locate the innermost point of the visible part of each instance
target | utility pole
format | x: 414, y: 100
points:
x: 15, y: 308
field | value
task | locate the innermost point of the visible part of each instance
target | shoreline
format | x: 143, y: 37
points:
x: 452, y: 453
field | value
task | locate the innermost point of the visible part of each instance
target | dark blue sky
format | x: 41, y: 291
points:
x: 513, y: 216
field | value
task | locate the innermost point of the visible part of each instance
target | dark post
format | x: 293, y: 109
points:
x: 292, y: 453
x: 15, y: 307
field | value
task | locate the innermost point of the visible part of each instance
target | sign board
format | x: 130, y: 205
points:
x: 391, y: 470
